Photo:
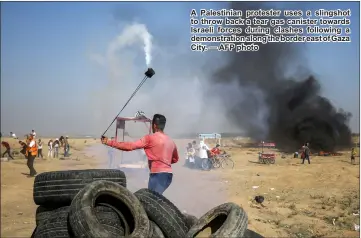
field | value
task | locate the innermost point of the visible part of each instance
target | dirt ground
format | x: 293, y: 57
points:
x: 316, y: 200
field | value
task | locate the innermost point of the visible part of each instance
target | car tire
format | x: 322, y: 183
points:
x: 225, y: 220
x: 163, y: 213
x: 58, y: 188
x: 82, y: 216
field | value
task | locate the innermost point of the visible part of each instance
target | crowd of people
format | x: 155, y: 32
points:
x: 32, y: 148
x: 195, y: 153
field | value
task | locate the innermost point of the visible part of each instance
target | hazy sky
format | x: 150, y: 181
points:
x: 60, y: 74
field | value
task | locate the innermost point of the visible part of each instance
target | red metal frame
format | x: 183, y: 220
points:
x: 135, y: 119
x: 268, y: 156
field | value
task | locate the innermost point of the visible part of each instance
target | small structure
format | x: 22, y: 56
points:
x: 120, y: 125
x: 266, y: 157
x: 215, y: 136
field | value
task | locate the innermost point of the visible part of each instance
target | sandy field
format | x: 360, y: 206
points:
x: 317, y: 200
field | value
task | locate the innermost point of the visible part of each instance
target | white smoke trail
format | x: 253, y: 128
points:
x: 119, y: 61
x: 132, y: 34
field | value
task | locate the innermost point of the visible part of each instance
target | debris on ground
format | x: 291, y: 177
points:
x: 259, y: 199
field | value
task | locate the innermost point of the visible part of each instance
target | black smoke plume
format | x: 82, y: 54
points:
x: 294, y: 112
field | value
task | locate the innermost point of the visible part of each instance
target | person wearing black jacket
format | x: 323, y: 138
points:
x: 23, y: 148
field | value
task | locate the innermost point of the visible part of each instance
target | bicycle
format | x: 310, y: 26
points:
x: 226, y: 161
x: 209, y: 163
x: 223, y: 160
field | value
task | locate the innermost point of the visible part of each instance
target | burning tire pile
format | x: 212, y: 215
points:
x: 96, y: 203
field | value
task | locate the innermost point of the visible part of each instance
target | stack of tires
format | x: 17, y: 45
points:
x: 96, y: 203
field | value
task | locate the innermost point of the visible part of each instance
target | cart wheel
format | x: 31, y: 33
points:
x: 272, y: 161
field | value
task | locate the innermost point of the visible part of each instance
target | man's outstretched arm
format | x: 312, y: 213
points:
x: 129, y: 146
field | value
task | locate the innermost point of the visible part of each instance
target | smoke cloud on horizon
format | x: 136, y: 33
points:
x: 267, y: 95
x: 272, y: 96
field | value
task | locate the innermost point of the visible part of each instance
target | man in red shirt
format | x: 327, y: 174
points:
x: 161, y: 152
x: 8, y: 150
x: 216, y: 150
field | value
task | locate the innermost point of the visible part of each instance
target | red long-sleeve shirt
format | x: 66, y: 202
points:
x: 215, y: 151
x: 159, y: 148
x: 6, y: 145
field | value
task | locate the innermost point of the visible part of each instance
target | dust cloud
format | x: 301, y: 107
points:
x: 272, y: 96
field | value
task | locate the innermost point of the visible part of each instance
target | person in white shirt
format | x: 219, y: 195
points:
x: 190, y: 156
x: 33, y: 133
x: 13, y: 135
x: 56, y: 145
x: 203, y: 148
x: 201, y: 152
x: 40, y: 149
x: 50, y: 148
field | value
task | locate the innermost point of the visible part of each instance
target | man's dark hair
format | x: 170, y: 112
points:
x: 160, y: 121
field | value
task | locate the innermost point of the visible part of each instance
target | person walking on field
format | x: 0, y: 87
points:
x: 23, y: 148
x: 8, y: 149
x: 353, y: 155
x: 33, y: 133
x: 50, y: 148
x: 31, y: 152
x: 40, y: 149
x: 160, y: 150
x: 56, y: 145
x: 306, y: 151
x: 13, y: 135
x: 66, y: 146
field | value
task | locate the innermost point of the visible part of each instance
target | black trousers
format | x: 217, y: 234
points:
x: 30, y: 164
x: 40, y: 153
x: 7, y: 151
x: 352, y: 159
x: 307, y: 157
